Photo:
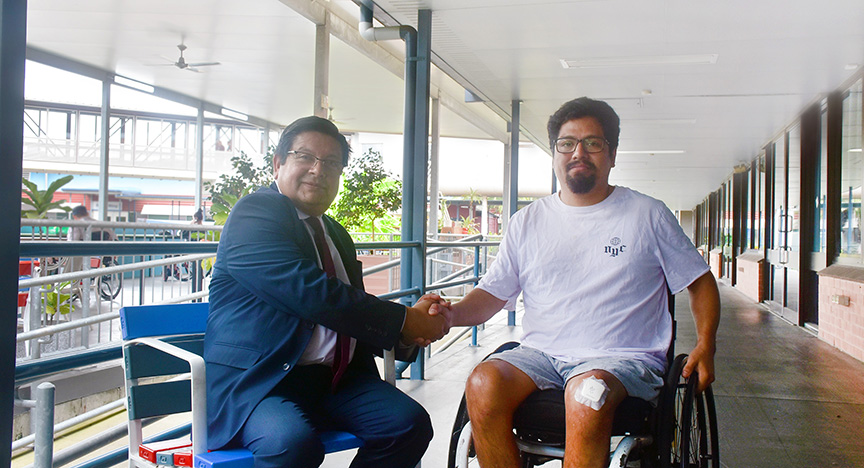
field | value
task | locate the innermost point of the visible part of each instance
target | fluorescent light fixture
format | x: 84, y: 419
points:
x: 855, y: 150
x: 651, y: 152
x: 234, y: 114
x: 134, y: 84
x: 606, y: 62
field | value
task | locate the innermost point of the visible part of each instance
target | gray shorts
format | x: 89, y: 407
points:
x: 547, y: 372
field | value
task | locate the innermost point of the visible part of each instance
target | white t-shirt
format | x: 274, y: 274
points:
x: 594, y: 278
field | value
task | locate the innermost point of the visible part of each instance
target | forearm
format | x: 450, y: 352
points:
x: 705, y: 306
x: 477, y: 307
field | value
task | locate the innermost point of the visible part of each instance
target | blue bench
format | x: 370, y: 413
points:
x: 168, y: 340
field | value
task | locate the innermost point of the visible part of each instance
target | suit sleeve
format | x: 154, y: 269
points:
x: 267, y: 251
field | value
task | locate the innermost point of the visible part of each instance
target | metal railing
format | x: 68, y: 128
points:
x: 453, y: 267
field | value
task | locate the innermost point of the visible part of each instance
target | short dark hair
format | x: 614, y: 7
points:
x: 199, y: 215
x: 79, y: 211
x: 586, y: 107
x: 310, y: 124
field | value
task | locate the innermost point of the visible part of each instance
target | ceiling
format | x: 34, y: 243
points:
x: 684, y: 125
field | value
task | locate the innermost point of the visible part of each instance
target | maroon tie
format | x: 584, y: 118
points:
x: 343, y: 342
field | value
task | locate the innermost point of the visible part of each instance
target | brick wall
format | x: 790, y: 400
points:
x: 751, y: 268
x: 841, y: 309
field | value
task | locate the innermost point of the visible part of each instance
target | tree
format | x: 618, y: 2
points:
x: 247, y: 178
x: 369, y: 193
x: 42, y: 200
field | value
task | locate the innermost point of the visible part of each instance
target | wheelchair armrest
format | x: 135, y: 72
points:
x: 198, y: 380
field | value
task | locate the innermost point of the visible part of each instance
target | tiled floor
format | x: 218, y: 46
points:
x: 784, y: 398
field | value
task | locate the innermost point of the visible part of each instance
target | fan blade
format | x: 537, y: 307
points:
x: 192, y: 69
x: 203, y: 64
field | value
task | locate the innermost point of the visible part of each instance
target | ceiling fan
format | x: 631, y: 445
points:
x: 182, y: 64
x: 332, y: 119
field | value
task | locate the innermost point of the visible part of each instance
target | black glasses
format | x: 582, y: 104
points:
x: 307, y: 161
x: 590, y: 144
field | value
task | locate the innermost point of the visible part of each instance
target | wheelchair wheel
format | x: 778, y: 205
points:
x: 455, y: 436
x: 110, y: 285
x: 688, y: 434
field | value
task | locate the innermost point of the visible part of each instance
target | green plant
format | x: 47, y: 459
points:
x: 469, y: 226
x: 369, y: 193
x: 225, y: 192
x: 55, y: 300
x: 247, y: 178
x: 42, y: 200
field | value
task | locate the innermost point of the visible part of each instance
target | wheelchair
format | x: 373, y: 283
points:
x: 681, y: 431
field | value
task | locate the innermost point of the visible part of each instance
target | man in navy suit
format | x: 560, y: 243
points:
x: 287, y: 308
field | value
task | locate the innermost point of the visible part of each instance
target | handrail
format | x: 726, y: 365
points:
x: 119, y: 224
x: 95, y: 248
x: 96, y: 272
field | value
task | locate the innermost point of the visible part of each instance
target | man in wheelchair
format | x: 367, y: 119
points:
x: 593, y: 263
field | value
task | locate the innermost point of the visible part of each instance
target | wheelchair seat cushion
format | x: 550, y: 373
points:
x: 541, y: 417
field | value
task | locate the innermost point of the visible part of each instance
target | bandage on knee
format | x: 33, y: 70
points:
x: 592, y: 392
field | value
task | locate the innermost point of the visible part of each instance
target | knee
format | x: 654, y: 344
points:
x: 481, y: 390
x: 418, y: 425
x: 288, y: 448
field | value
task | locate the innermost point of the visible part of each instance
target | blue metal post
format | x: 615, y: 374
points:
x: 13, y: 38
x: 474, y: 329
x: 514, y: 177
x: 421, y: 155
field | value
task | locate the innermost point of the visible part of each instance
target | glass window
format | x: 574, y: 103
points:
x: 759, y: 194
x: 822, y: 185
x: 781, y: 211
x: 793, y: 195
x: 851, y: 176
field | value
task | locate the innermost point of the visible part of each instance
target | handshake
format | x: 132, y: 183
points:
x: 426, y: 321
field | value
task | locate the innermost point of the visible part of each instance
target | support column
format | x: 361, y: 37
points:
x: 513, y: 177
x: 434, y: 202
x: 13, y: 37
x: 321, y: 100
x: 199, y: 158
x: 104, y: 150
x: 505, y: 195
x: 421, y: 150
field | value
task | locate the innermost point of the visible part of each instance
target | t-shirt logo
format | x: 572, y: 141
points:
x: 615, y: 247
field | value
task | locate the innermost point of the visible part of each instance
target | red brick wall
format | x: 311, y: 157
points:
x: 842, y: 325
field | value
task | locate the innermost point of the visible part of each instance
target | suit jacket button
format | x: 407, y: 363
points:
x: 286, y: 366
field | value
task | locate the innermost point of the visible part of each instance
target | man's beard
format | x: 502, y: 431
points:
x: 581, y: 182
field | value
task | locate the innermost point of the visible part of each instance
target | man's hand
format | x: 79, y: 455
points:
x: 701, y: 360
x: 422, y: 327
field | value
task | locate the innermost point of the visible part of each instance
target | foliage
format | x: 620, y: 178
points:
x: 246, y: 178
x: 57, y: 301
x: 369, y: 194
x: 225, y: 192
x: 469, y: 225
x: 42, y: 200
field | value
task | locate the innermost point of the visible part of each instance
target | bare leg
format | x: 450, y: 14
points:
x: 493, y: 392
x: 589, y: 430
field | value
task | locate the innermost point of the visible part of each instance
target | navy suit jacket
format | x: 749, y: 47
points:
x: 266, y: 296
